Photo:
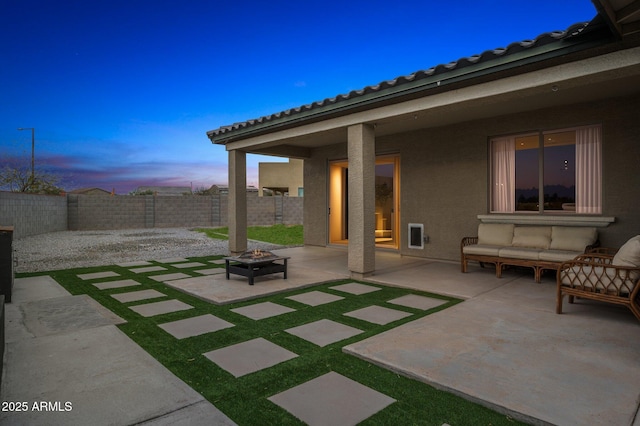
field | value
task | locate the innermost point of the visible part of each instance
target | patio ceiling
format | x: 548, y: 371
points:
x: 622, y: 16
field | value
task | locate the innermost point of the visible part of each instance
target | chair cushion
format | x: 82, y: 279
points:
x: 572, y: 238
x: 629, y: 255
x: 496, y: 234
x: 532, y: 237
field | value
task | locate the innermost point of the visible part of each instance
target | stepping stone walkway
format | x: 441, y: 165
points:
x: 329, y: 399
x: 315, y: 298
x: 418, y: 302
x: 378, y: 315
x: 195, y: 326
x: 264, y: 310
x: 135, y: 263
x: 115, y: 284
x: 332, y: 399
x: 324, y: 332
x: 134, y: 296
x: 159, y: 308
x: 251, y: 356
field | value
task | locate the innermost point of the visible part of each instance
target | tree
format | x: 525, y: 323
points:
x: 20, y: 179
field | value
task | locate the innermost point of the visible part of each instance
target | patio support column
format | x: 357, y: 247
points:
x: 237, y: 202
x: 361, y: 185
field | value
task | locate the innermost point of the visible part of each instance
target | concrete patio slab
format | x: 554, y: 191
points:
x: 115, y: 284
x: 513, y: 356
x: 356, y: 288
x: 417, y: 302
x: 135, y: 296
x: 332, y: 399
x: 148, y: 269
x: 315, y: 298
x: 65, y: 314
x: 159, y: 308
x: 210, y: 271
x: 264, y: 310
x: 378, y: 315
x: 195, y: 326
x: 217, y: 289
x: 96, y: 275
x: 250, y: 356
x: 105, y: 377
x: 324, y: 332
x: 169, y: 277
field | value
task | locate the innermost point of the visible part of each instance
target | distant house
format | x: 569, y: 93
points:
x: 448, y: 147
x: 164, y: 190
x: 90, y: 191
x: 281, y: 178
x: 224, y: 190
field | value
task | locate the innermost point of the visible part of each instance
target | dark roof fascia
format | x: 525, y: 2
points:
x: 420, y: 84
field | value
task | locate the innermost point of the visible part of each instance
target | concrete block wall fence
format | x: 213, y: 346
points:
x: 32, y: 214
x: 38, y: 214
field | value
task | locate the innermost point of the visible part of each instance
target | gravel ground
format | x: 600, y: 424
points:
x: 73, y: 249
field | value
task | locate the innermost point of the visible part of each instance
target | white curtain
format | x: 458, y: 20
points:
x: 588, y: 170
x: 503, y: 161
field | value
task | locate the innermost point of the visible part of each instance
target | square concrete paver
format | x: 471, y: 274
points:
x: 332, y: 399
x: 355, y: 288
x: 378, y: 314
x: 169, y: 277
x: 173, y: 260
x: 134, y: 263
x: 195, y: 326
x: 96, y: 275
x: 417, y: 302
x: 249, y: 357
x: 134, y: 296
x: 158, y: 308
x: 188, y: 265
x: 115, y: 284
x: 315, y: 298
x: 264, y: 310
x: 218, y: 261
x: 324, y: 332
x: 148, y: 269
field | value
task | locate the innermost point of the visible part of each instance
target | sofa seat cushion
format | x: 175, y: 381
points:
x: 558, y: 255
x: 532, y: 237
x: 572, y: 238
x: 598, y: 278
x: 495, y: 234
x: 523, y: 253
x: 482, y: 249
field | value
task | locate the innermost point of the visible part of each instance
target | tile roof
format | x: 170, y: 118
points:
x: 399, y: 82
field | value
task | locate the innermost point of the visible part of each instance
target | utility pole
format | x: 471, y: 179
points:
x: 33, y: 149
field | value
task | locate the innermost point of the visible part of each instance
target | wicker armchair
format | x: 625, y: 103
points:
x: 594, y: 276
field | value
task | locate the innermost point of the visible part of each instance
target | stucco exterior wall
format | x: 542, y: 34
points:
x: 444, y: 174
x: 281, y: 175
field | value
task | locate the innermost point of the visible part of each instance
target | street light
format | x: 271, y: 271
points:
x: 33, y: 148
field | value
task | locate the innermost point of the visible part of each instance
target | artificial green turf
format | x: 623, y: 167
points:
x: 244, y: 399
x: 286, y: 235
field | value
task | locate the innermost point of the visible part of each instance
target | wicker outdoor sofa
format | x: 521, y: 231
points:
x: 537, y: 247
x: 603, y: 275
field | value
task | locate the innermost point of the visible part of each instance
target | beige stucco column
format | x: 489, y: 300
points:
x: 361, y: 151
x: 237, y: 202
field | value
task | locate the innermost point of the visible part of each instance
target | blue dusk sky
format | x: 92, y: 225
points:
x: 121, y: 93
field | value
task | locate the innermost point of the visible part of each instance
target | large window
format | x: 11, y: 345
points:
x: 548, y: 171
